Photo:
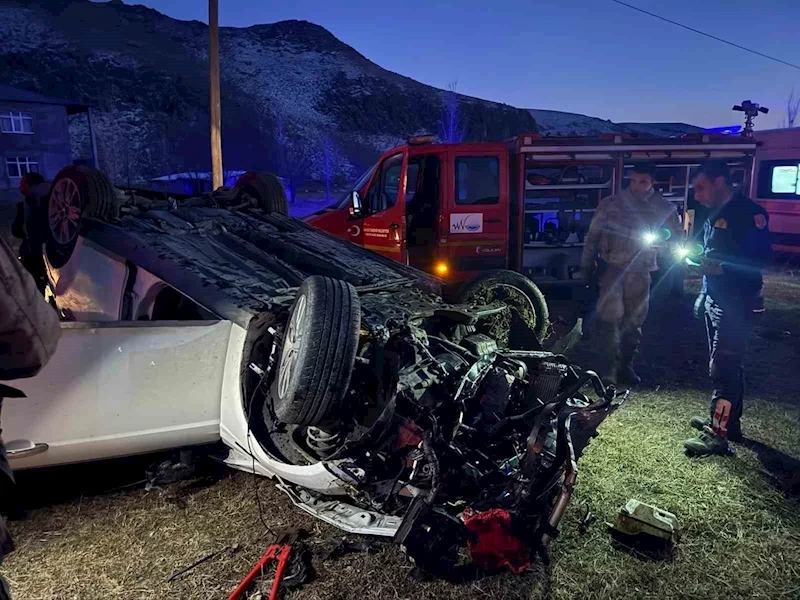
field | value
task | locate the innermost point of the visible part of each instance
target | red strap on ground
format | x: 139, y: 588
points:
x: 494, y: 545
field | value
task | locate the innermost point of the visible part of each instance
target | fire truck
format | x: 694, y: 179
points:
x: 457, y: 209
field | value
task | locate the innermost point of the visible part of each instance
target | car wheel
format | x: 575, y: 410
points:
x: 267, y: 190
x: 76, y: 192
x: 514, y: 289
x: 319, y: 351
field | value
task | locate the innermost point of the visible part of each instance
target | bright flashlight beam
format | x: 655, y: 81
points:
x: 650, y: 238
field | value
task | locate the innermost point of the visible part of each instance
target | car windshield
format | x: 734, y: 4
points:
x: 344, y: 201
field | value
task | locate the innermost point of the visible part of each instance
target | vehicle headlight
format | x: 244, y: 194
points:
x: 442, y: 268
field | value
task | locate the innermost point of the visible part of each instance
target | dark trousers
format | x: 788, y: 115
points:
x: 6, y: 493
x: 34, y: 264
x: 728, y: 328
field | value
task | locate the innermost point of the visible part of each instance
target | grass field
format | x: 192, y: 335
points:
x: 740, y: 517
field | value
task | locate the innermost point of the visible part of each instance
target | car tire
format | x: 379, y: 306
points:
x: 267, y: 190
x: 318, y: 353
x: 517, y: 281
x: 77, y: 191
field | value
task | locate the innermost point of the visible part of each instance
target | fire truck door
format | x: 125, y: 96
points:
x: 385, y: 222
x: 478, y: 220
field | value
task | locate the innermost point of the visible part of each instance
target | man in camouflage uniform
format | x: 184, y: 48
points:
x: 616, y: 250
x: 736, y: 248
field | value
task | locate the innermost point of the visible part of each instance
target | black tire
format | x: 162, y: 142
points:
x: 81, y: 190
x: 318, y: 353
x: 267, y: 190
x: 505, y: 278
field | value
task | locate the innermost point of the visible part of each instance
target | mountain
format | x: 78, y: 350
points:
x: 557, y: 123
x: 294, y: 98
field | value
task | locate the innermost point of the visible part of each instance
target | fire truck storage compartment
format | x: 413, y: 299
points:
x: 559, y: 201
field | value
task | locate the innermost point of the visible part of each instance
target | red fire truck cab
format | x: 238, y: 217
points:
x: 457, y: 209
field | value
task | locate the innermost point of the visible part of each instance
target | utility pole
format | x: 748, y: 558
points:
x: 216, y: 116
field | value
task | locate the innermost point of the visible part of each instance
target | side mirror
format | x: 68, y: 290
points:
x: 355, y: 204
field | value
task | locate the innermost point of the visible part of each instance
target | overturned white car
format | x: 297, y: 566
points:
x: 380, y: 407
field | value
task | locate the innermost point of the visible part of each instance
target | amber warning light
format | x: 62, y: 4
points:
x: 442, y: 269
x: 419, y: 140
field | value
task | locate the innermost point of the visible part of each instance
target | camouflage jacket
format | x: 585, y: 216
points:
x: 618, y: 226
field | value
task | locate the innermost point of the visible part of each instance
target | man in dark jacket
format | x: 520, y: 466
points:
x: 29, y: 333
x: 736, y: 249
x: 30, y: 225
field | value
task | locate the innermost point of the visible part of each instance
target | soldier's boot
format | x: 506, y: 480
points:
x: 629, y: 348
x: 734, y: 431
x: 707, y: 443
x: 608, y: 344
x: 626, y: 375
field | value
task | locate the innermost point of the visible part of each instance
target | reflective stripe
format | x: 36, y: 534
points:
x: 383, y: 249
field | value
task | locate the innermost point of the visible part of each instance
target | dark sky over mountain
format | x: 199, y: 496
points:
x: 289, y: 89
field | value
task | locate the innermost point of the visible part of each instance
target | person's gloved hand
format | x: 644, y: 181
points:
x: 699, y: 309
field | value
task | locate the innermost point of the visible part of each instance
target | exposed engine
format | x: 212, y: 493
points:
x: 469, y: 442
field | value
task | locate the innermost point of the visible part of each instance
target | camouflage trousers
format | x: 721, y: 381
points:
x: 623, y: 305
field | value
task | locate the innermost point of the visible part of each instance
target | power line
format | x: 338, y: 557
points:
x: 708, y: 35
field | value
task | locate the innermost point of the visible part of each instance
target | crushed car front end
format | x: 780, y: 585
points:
x: 444, y: 437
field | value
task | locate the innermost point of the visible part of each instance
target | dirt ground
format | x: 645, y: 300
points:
x: 740, y: 517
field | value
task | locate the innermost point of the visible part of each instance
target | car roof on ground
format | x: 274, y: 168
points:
x: 238, y: 263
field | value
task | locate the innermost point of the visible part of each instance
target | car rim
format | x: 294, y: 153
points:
x: 291, y: 346
x: 64, y: 212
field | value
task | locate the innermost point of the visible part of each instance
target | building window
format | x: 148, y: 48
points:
x: 19, y: 165
x: 15, y: 122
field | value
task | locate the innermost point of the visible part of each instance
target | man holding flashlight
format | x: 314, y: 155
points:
x: 621, y: 250
x: 736, y: 248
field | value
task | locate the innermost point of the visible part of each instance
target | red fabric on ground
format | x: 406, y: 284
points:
x: 495, y: 545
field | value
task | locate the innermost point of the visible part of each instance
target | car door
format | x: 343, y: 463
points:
x: 383, y: 227
x: 114, y: 387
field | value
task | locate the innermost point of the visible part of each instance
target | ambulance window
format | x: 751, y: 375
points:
x: 477, y: 180
x: 384, y: 190
x: 779, y: 179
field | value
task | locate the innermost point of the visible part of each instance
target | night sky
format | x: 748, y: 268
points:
x: 587, y: 56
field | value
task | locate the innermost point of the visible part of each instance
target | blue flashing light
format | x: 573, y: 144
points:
x: 731, y: 130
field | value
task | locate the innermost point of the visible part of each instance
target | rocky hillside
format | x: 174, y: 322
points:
x: 294, y: 98
x: 557, y: 123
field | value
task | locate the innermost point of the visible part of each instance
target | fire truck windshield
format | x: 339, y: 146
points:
x: 344, y: 201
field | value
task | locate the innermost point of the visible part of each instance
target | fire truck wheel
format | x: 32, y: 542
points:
x: 267, y: 190
x: 76, y: 192
x: 509, y: 286
x: 319, y: 351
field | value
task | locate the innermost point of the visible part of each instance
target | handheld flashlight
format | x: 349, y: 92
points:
x: 649, y: 238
